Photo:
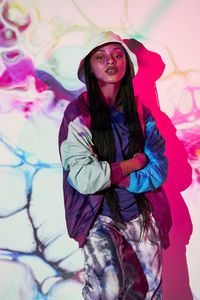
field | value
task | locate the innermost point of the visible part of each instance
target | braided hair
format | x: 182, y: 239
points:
x: 103, y: 137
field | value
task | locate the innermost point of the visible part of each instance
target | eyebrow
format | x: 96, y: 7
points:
x: 116, y: 48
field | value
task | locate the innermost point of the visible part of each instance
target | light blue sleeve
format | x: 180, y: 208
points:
x: 154, y: 174
x: 87, y: 174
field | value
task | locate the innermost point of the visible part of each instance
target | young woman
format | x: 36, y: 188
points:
x: 113, y: 170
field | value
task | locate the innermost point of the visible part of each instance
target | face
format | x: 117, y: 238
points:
x: 108, y: 63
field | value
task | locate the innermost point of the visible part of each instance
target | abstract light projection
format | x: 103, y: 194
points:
x: 41, y: 44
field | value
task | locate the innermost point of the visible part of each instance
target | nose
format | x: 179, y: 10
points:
x: 110, y: 60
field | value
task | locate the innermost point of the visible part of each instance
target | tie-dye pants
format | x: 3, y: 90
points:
x: 122, y: 263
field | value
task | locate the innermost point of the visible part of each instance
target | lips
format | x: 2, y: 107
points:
x: 111, y: 70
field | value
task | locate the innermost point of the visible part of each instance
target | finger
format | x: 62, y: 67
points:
x: 90, y: 148
x: 92, y: 151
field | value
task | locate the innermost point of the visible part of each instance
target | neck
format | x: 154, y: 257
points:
x: 109, y: 92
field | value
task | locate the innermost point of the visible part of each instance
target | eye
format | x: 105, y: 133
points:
x: 118, y: 54
x: 99, y: 57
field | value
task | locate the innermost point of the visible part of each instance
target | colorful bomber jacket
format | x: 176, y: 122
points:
x: 84, y: 176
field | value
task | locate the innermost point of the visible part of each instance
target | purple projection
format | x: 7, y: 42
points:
x: 41, y: 44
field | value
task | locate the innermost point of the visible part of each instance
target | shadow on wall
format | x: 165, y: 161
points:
x: 175, y: 270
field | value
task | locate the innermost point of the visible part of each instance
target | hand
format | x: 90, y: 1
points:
x: 137, y: 162
x: 141, y: 160
x: 92, y: 151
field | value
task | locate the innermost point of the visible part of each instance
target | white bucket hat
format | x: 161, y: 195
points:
x: 101, y: 39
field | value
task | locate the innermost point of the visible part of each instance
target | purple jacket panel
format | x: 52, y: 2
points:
x: 161, y: 212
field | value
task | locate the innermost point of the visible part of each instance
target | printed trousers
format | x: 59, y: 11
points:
x: 123, y: 263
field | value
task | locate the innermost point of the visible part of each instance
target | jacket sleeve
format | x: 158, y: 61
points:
x: 154, y: 174
x: 86, y: 173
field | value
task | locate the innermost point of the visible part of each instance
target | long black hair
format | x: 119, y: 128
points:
x: 102, y: 133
